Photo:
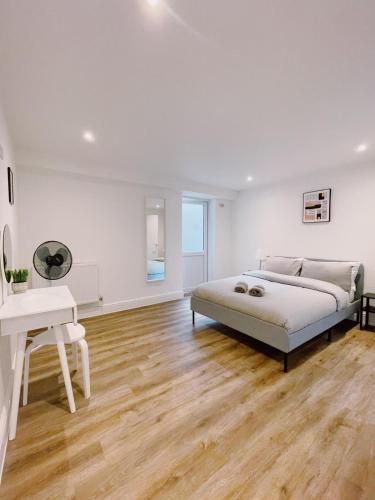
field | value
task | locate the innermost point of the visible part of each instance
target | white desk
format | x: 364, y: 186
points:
x: 37, y: 308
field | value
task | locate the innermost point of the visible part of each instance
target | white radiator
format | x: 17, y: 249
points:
x: 82, y: 280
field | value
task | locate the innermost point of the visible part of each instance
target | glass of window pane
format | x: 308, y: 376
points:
x: 192, y: 227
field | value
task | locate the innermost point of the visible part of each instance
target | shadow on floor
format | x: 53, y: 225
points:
x: 301, y: 354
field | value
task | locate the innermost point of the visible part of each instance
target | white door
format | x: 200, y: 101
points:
x: 194, y: 243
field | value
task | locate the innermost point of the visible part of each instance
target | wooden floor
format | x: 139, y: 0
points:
x: 200, y: 413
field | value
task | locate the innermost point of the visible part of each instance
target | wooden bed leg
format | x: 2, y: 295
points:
x: 329, y: 335
x: 193, y: 317
x: 285, y: 362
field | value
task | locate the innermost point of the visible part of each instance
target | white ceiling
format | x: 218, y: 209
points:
x: 209, y: 90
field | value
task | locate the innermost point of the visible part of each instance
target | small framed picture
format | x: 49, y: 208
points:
x: 10, y: 186
x: 317, y: 206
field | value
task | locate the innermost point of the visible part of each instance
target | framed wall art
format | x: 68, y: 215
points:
x: 10, y: 186
x: 317, y: 206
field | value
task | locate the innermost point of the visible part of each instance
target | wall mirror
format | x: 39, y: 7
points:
x: 1, y: 280
x: 7, y: 258
x: 155, y: 238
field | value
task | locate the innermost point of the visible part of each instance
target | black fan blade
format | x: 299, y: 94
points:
x: 64, y: 252
x: 54, y: 271
x: 42, y: 253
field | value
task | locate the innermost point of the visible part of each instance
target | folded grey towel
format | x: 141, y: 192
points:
x: 257, y: 291
x: 241, y: 287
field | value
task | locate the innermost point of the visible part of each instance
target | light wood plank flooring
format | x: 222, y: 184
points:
x: 202, y: 413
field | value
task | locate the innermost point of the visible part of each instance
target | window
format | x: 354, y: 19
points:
x: 192, y: 227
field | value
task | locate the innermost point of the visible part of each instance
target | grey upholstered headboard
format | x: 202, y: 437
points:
x: 360, y: 279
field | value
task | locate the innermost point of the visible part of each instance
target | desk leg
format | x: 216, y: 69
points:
x: 20, y: 355
x: 75, y: 315
x: 65, y: 368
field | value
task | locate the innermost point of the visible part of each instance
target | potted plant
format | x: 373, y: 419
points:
x: 20, y: 284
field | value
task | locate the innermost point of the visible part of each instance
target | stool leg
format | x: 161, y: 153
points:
x: 75, y: 356
x: 85, y: 367
x: 65, y: 368
x: 26, y: 368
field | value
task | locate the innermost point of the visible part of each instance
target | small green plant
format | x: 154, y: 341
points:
x: 20, y: 275
x: 8, y: 275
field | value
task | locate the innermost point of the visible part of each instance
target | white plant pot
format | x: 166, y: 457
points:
x: 20, y: 287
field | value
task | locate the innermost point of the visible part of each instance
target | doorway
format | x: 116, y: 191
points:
x: 194, y: 242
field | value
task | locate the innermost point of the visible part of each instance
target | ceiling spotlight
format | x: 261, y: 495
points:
x: 153, y: 3
x: 249, y: 178
x: 157, y: 206
x: 361, y: 148
x: 88, y: 136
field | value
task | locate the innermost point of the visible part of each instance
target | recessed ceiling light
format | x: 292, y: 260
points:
x: 249, y: 178
x: 153, y: 3
x: 157, y: 206
x: 361, y: 148
x: 88, y: 136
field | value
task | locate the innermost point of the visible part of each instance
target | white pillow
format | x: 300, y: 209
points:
x: 342, y: 274
x: 282, y: 265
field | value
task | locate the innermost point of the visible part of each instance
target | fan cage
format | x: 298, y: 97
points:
x: 67, y: 265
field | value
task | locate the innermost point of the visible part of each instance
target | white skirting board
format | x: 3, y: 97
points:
x: 4, y: 427
x: 124, y: 305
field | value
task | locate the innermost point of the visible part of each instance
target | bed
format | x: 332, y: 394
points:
x: 294, y: 309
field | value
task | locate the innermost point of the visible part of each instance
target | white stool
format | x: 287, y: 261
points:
x: 59, y: 335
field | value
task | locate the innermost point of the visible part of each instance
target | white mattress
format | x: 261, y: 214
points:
x: 289, y: 306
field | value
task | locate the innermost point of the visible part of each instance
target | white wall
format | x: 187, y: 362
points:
x: 104, y: 221
x: 269, y: 219
x: 7, y: 216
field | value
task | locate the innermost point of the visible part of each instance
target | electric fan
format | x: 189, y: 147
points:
x: 52, y: 260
